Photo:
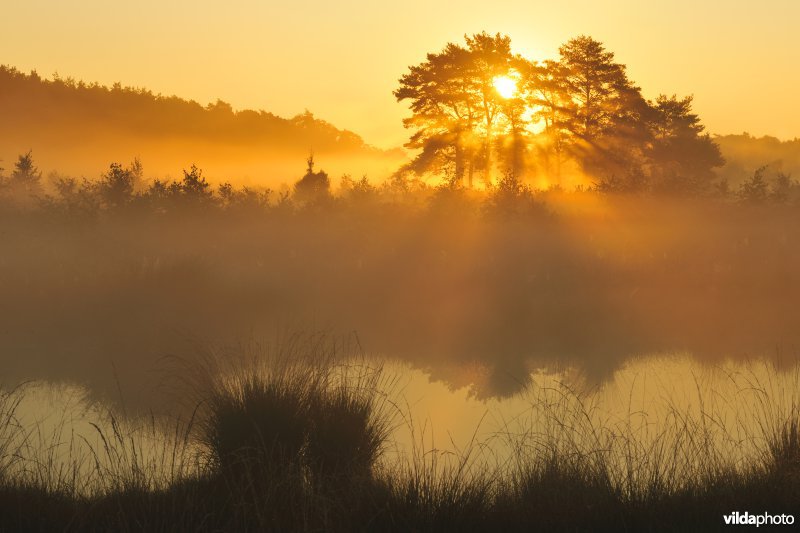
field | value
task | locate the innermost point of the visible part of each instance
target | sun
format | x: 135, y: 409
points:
x: 506, y: 86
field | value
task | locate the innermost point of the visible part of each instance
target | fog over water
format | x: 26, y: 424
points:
x: 472, y: 299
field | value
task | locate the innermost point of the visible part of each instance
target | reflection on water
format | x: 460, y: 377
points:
x: 655, y: 405
x: 663, y: 401
x: 53, y: 436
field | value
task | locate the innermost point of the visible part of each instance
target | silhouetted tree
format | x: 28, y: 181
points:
x: 244, y: 199
x: 455, y: 106
x: 783, y: 188
x: 444, y: 111
x: 26, y: 178
x: 682, y: 156
x: 161, y: 195
x: 513, y: 134
x: 542, y: 87
x: 490, y: 58
x: 510, y: 197
x: 358, y: 191
x: 116, y: 186
x: 755, y: 190
x: 194, y: 186
x: 137, y: 172
x: 76, y: 199
x: 314, y: 187
x: 602, y: 110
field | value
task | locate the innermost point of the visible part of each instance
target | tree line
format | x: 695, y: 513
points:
x: 124, y: 188
x: 478, y: 109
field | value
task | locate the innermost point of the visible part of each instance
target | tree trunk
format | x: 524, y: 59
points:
x: 471, y: 171
x: 487, y: 173
x: 459, y: 177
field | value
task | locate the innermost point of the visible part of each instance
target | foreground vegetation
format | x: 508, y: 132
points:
x: 300, y: 441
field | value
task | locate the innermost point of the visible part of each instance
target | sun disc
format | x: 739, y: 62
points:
x: 505, y: 86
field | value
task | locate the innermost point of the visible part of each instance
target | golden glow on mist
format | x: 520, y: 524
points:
x: 506, y: 86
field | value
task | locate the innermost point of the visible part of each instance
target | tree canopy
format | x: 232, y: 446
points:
x: 479, y: 108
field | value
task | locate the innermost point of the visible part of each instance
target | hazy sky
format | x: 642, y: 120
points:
x: 341, y: 60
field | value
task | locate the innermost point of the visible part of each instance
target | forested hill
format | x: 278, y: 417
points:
x: 745, y: 153
x: 77, y: 127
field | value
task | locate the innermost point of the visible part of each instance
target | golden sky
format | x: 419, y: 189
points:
x: 341, y: 60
